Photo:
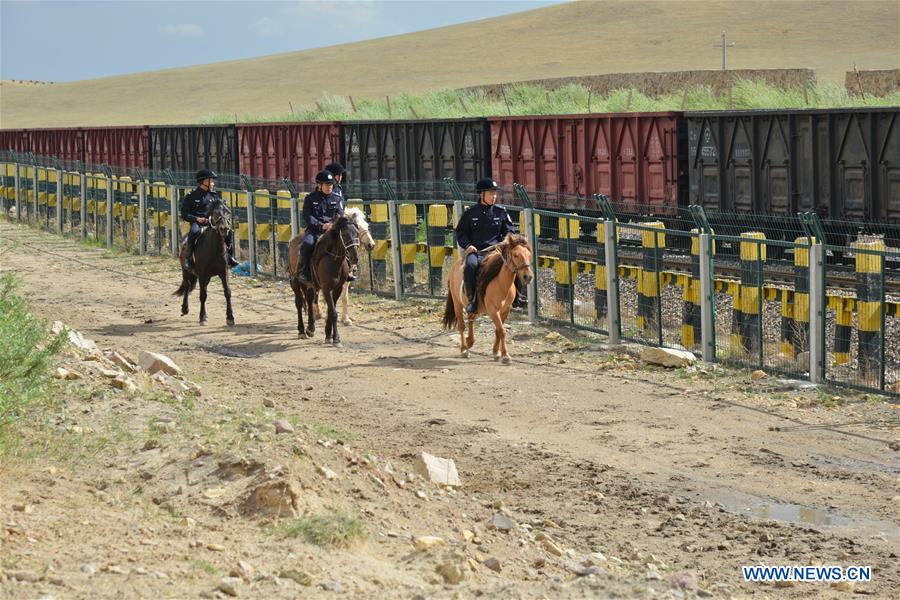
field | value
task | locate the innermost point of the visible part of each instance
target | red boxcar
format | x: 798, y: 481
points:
x: 293, y: 150
x: 635, y: 159
x: 127, y: 147
x: 64, y: 144
x: 14, y: 139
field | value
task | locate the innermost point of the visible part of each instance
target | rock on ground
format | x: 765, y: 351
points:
x: 438, y: 470
x: 667, y: 357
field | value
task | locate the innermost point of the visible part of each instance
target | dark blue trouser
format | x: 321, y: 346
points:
x: 194, y: 233
x: 469, y: 273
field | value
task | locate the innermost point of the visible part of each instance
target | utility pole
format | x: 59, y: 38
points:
x: 724, y: 45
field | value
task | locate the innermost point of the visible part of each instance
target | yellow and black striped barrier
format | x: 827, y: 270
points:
x: 408, y: 248
x: 600, y: 288
x: 569, y: 233
x: 753, y: 255
x: 795, y: 314
x: 690, y: 319
x: 843, y: 328
x: 438, y: 251
x: 380, y: 231
x: 869, y: 309
x: 653, y: 244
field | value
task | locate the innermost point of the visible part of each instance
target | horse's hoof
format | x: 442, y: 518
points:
x: 464, y: 354
x: 338, y: 345
x: 496, y: 357
x: 506, y: 360
x: 301, y: 335
x: 184, y: 312
x: 229, y: 322
x: 203, y: 321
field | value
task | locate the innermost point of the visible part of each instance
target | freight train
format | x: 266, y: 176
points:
x: 840, y: 163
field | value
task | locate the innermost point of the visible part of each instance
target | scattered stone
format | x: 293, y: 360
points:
x: 57, y: 581
x: 116, y: 569
x: 653, y: 575
x: 501, y: 522
x: 24, y: 575
x: 493, y: 564
x: 23, y: 508
x: 173, y: 383
x: 467, y: 535
x: 685, y: 580
x: 438, y: 470
x: 277, y: 498
x: 332, y: 586
x: 88, y: 569
x: 551, y: 547
x: 62, y: 373
x: 326, y: 472
x: 155, y: 363
x: 215, y: 547
x: 842, y: 586
x: 298, y: 577
x: 553, y: 335
x: 117, y: 359
x: 421, y: 495
x: 453, y: 572
x: 81, y: 342
x: 758, y: 374
x: 109, y: 373
x: 125, y: 383
x: 269, y: 403
x: 667, y: 357
x: 242, y: 569
x: 784, y: 584
x: 582, y: 569
x: 539, y: 562
x: 427, y: 542
x: 230, y: 586
x: 283, y: 426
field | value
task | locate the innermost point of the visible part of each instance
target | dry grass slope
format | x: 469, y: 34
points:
x: 574, y: 39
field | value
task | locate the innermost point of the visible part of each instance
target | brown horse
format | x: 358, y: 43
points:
x: 209, y: 262
x: 495, y: 290
x: 330, y: 264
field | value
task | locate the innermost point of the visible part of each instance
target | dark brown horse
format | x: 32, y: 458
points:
x: 209, y: 261
x: 335, y: 251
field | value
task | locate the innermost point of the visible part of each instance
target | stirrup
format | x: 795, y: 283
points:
x: 472, y: 307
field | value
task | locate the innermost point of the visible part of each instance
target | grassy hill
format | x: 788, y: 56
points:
x: 581, y: 38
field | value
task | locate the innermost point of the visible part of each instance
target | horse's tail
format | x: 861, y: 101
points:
x: 449, y: 312
x: 187, y: 285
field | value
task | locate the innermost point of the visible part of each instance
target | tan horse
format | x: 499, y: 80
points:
x: 495, y: 289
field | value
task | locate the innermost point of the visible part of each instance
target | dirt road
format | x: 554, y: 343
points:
x: 702, y: 469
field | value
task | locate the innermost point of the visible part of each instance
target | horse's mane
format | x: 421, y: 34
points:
x: 358, y: 217
x: 493, y: 264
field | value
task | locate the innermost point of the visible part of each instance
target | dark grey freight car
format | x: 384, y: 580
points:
x: 417, y: 150
x: 842, y: 163
x: 187, y: 148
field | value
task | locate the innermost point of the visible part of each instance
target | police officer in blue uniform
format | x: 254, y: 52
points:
x: 339, y: 172
x: 320, y: 209
x: 481, y: 226
x: 195, y: 210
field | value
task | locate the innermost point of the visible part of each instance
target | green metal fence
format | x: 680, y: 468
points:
x: 801, y: 296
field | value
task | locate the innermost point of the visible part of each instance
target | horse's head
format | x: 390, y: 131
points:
x: 219, y: 217
x: 358, y: 218
x: 516, y: 255
x: 348, y: 235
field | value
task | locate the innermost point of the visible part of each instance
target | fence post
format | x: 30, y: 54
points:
x: 295, y: 221
x: 18, y: 192
x: 142, y: 217
x: 394, y: 224
x: 251, y: 229
x: 174, y: 237
x: 59, y: 201
x: 612, y: 282
x: 109, y: 210
x: 408, y: 228
x: 82, y: 204
x: 457, y: 215
x: 817, y: 312
x: 707, y: 325
x: 34, y: 194
x: 528, y: 217
x: 869, y: 305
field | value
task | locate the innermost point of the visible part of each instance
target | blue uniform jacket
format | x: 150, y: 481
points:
x: 319, y: 209
x: 482, y: 226
x: 196, y: 204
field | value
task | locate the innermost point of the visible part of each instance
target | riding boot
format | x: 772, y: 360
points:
x: 229, y: 253
x: 354, y: 271
x: 303, y: 268
x: 521, y: 300
x: 472, y: 306
x: 189, y: 257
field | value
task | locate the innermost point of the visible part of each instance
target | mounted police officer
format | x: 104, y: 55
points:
x: 320, y: 209
x: 194, y: 210
x: 339, y: 172
x: 480, y: 227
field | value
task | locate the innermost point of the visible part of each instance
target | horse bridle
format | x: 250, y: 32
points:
x: 218, y: 220
x: 511, y: 265
x: 352, y: 244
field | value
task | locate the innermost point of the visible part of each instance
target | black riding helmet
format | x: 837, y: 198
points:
x: 335, y: 169
x: 324, y: 177
x: 205, y: 174
x: 486, y: 184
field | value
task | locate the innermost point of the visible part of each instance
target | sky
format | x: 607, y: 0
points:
x: 74, y: 40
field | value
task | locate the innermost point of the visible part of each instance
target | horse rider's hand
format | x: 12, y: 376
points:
x: 471, y: 250
x: 326, y: 226
x: 202, y: 220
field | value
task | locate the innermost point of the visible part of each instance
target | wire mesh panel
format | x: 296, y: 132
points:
x: 7, y: 187
x: 96, y: 206
x: 158, y: 219
x: 125, y: 216
x: 71, y: 203
x: 376, y: 269
x: 861, y: 330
